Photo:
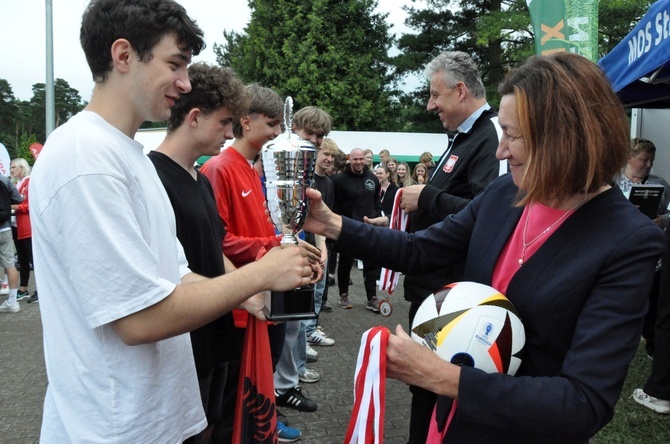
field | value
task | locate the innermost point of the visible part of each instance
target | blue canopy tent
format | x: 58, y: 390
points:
x: 639, y: 66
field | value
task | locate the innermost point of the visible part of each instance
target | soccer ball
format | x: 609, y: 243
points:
x: 471, y: 324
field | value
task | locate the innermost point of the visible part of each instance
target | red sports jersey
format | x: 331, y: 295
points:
x: 240, y: 200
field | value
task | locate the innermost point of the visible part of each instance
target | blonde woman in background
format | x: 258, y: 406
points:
x: 420, y: 174
x: 392, y: 165
x: 369, y: 155
x: 404, y: 175
x: 20, y: 172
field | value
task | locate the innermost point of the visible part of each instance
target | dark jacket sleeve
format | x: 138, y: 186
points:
x: 439, y: 203
x: 14, y: 195
x: 477, y: 166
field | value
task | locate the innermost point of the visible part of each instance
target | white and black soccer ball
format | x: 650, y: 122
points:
x: 471, y: 324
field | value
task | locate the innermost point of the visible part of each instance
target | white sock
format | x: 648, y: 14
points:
x: 11, y: 300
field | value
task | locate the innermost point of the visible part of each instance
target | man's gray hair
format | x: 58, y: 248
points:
x: 457, y: 66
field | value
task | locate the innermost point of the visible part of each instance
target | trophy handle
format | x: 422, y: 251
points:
x: 288, y: 115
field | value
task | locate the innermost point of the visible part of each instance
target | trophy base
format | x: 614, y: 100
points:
x: 291, y: 305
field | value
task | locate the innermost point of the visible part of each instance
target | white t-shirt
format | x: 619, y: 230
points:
x: 105, y: 246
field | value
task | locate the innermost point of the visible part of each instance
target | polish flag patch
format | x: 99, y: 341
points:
x: 449, y: 164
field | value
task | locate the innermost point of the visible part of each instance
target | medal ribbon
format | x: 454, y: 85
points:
x: 366, y: 425
x: 388, y: 279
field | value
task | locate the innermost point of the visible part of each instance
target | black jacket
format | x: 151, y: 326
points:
x: 389, y: 197
x: 472, y: 166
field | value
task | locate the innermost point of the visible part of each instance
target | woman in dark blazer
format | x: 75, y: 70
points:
x: 570, y: 252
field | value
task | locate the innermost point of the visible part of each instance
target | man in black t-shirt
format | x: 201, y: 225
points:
x: 200, y: 124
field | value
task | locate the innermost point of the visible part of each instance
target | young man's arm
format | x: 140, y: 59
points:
x: 198, y: 301
x: 256, y: 303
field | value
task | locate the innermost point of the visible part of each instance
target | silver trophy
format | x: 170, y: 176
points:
x: 288, y: 163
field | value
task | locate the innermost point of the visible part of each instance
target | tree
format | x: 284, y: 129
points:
x: 612, y: 28
x: 67, y: 101
x: 24, y: 148
x: 8, y: 114
x: 23, y: 122
x: 328, y: 53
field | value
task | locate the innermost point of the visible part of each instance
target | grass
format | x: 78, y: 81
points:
x: 632, y: 423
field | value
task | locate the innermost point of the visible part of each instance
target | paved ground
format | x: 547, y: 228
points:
x: 23, y: 381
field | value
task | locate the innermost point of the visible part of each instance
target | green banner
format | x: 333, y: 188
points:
x: 565, y: 25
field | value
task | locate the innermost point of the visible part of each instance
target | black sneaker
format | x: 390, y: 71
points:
x: 282, y: 418
x: 22, y: 295
x: 33, y: 298
x: 294, y: 399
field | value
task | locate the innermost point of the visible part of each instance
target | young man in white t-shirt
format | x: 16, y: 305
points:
x: 117, y: 296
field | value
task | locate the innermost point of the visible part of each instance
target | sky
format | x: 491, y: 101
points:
x: 23, y: 30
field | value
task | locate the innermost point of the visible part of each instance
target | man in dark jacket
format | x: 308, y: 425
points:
x: 357, y: 196
x: 457, y: 94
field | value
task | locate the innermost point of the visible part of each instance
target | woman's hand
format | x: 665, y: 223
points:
x: 412, y: 363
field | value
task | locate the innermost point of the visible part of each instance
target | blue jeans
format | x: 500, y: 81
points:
x: 319, y: 288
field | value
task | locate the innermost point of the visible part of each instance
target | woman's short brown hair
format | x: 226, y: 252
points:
x: 573, y: 125
x: 639, y: 145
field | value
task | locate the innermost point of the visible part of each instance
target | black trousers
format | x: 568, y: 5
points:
x: 423, y: 401
x: 24, y: 250
x: 658, y: 383
x: 370, y: 275
x: 649, y: 322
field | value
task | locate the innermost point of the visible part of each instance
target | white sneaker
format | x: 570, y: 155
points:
x: 317, y: 338
x: 657, y: 405
x: 4, y: 289
x: 309, y: 376
x: 6, y: 308
x: 311, y: 352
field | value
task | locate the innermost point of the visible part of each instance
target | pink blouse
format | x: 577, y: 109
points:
x: 541, y: 217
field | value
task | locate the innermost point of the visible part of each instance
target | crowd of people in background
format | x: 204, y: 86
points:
x: 152, y: 270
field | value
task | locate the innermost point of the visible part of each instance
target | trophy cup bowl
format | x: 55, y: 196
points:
x: 288, y: 164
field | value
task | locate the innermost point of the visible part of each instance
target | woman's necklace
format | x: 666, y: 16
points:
x: 546, y: 230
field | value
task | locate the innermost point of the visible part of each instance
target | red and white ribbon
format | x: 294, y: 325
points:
x: 388, y: 279
x: 366, y: 425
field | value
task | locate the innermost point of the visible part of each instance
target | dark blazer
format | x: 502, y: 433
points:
x: 581, y: 298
